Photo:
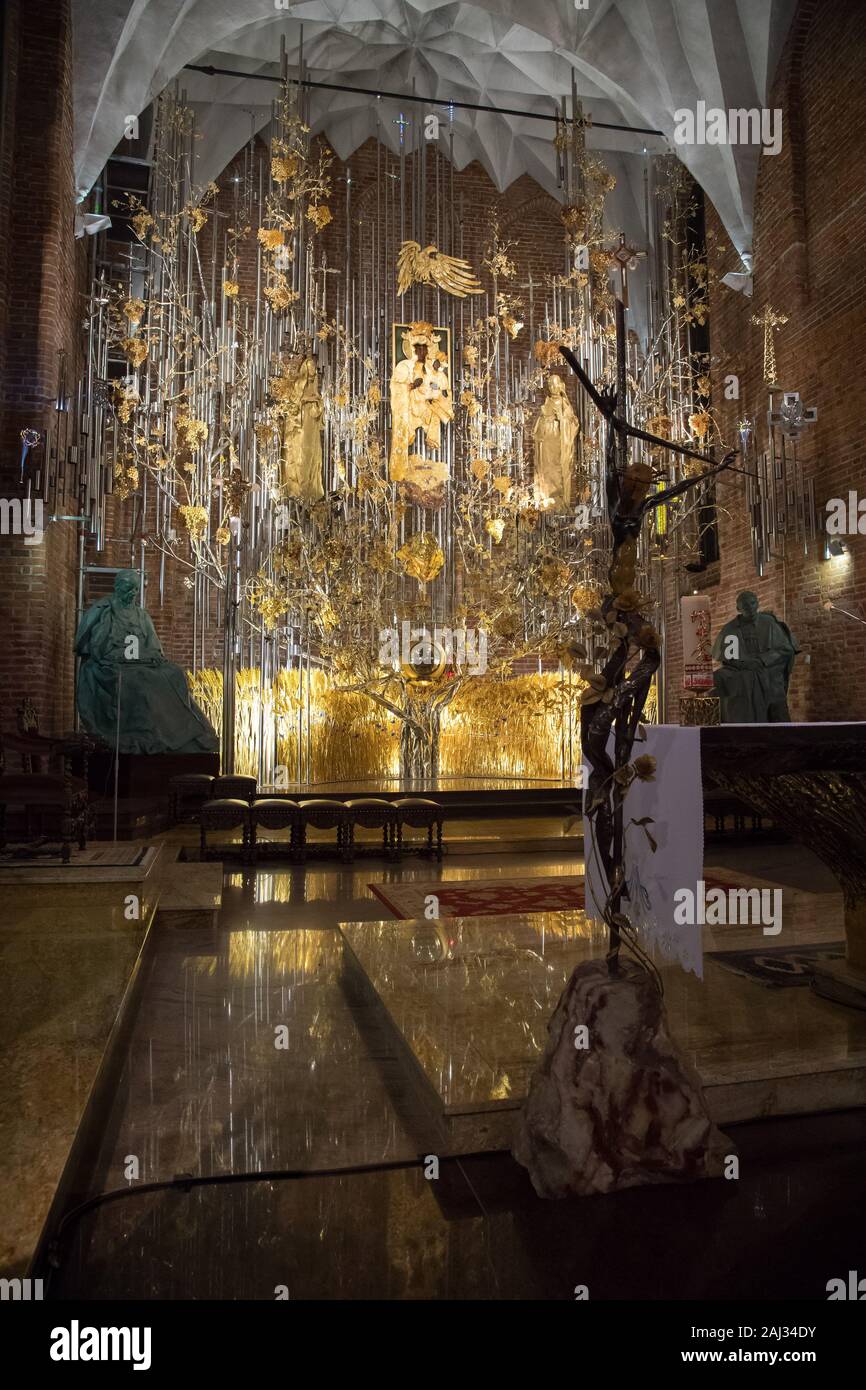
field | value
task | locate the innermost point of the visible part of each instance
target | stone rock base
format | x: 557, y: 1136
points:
x: 613, y: 1104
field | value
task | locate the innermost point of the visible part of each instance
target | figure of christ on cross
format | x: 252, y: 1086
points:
x: 618, y: 704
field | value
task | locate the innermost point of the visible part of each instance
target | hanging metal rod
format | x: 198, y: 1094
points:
x: 211, y: 71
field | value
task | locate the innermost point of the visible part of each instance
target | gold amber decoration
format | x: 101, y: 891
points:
x: 421, y: 557
x: 700, y: 423
x: 320, y: 215
x: 428, y: 266
x: 195, y: 521
x: 271, y: 238
x: 660, y: 425
x: 574, y: 221
x: 284, y: 168
x: 546, y: 353
x: 585, y: 599
x: 507, y: 624
x: 135, y: 350
x: 554, y: 575
x: 427, y: 665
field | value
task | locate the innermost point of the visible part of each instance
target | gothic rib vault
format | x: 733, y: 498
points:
x: 635, y: 62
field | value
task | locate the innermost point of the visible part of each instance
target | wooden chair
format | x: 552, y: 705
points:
x: 224, y: 813
x: 420, y: 813
x: 232, y: 786
x: 374, y: 813
x: 187, y: 792
x: 277, y: 813
x: 329, y: 815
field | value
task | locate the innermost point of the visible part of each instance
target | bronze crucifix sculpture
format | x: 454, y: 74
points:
x: 618, y: 693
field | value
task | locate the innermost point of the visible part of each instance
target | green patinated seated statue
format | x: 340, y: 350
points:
x: 757, y: 654
x: 121, y: 653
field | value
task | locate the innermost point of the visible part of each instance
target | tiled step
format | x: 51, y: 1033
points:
x: 190, y: 895
x: 100, y: 862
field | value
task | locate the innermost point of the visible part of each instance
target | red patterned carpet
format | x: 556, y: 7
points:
x: 482, y: 897
x: 493, y: 897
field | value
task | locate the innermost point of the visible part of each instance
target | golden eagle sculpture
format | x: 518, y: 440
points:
x: 430, y: 267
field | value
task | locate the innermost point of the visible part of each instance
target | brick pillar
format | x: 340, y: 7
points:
x: 39, y: 309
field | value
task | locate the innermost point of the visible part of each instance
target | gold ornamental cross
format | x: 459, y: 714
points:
x: 769, y: 320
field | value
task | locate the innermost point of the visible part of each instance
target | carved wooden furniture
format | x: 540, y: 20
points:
x: 224, y: 813
x: 421, y: 814
x: 52, y: 781
x: 187, y: 792
x: 374, y: 813
x: 277, y: 813
x: 329, y: 815
x: 234, y: 786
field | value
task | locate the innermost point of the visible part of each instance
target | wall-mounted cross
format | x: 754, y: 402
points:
x: 769, y: 320
x: 624, y: 258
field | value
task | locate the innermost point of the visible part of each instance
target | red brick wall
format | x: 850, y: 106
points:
x: 810, y: 227
x: 39, y: 280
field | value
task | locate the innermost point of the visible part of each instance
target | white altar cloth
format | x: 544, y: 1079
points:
x: 674, y: 803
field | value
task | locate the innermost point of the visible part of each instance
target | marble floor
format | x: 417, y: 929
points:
x: 66, y: 956
x: 469, y: 1001
x: 251, y: 1066
x: 791, y: 1222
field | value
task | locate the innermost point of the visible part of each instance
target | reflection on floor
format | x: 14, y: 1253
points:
x: 66, y: 954
x: 248, y: 1056
x: 469, y: 1000
x: 781, y: 1231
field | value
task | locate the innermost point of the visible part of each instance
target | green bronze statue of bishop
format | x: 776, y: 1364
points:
x: 756, y: 652
x: 121, y: 659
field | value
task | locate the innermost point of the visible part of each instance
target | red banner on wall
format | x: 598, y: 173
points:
x: 697, y: 648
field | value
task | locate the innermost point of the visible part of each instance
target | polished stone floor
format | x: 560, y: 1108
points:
x: 249, y: 1057
x: 66, y: 955
x: 470, y: 1000
x: 790, y: 1223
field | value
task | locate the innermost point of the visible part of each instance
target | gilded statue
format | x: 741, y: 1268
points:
x: 554, y: 434
x: 420, y: 400
x: 429, y: 266
x: 301, y: 413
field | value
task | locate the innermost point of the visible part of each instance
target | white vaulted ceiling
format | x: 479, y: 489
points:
x: 635, y: 62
